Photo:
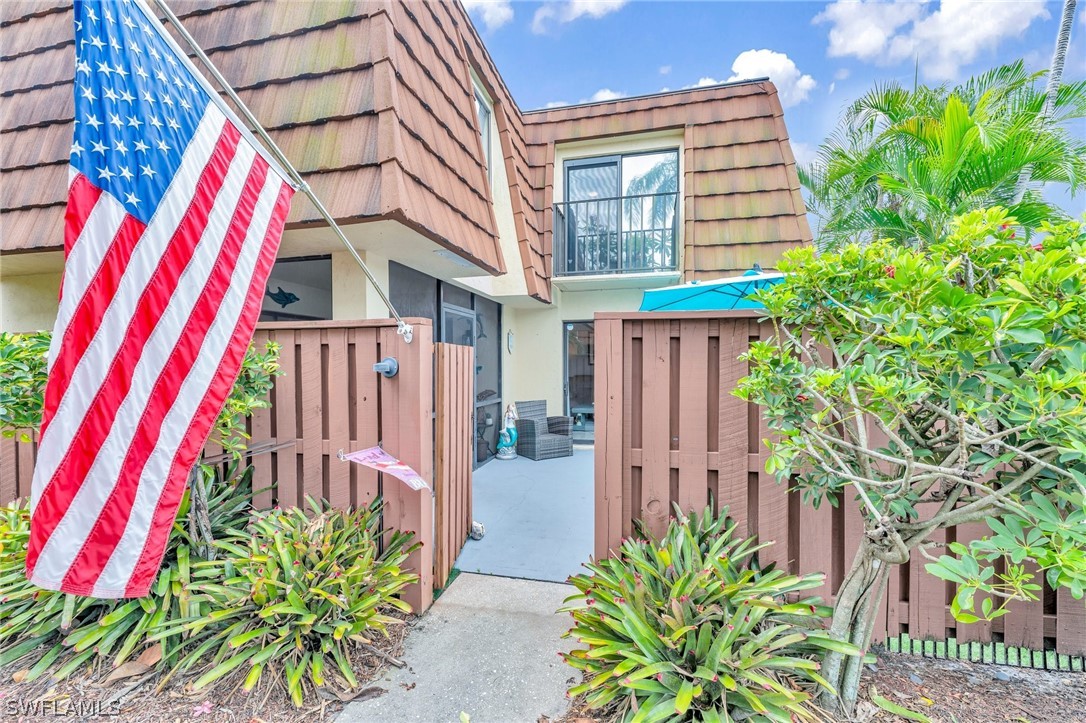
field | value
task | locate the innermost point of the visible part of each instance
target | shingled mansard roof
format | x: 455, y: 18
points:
x: 374, y: 104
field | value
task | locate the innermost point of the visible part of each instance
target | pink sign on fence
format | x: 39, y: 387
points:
x: 380, y: 460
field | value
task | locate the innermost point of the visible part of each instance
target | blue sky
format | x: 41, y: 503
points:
x: 820, y: 55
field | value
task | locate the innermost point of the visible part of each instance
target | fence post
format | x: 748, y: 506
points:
x: 609, y: 436
x: 407, y: 407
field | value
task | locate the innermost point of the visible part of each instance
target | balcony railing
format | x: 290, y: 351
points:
x: 623, y: 235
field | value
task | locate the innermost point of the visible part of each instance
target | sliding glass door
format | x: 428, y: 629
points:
x: 620, y: 214
x: 580, y: 364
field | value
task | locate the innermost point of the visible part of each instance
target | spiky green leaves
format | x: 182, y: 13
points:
x: 688, y: 627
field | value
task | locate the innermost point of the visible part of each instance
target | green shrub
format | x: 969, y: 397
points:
x: 22, y: 381
x: 687, y: 628
x: 287, y: 595
x: 23, y: 377
x: 50, y: 632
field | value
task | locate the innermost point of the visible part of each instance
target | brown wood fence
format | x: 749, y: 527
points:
x: 330, y: 399
x: 454, y: 404
x: 669, y: 430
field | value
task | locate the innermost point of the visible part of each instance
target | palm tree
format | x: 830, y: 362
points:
x: 647, y: 235
x: 903, y: 163
x: 1055, y: 75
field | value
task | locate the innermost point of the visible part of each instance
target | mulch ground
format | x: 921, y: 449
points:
x: 950, y: 691
x: 961, y: 692
x: 86, y: 697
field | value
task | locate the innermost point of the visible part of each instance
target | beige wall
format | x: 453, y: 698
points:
x: 534, y: 369
x: 29, y: 303
x: 512, y: 282
x: 353, y: 296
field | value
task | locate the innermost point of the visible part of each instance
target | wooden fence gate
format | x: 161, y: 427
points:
x: 454, y: 404
x: 329, y: 399
x: 669, y: 430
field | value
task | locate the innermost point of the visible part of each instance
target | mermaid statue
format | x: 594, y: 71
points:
x: 507, y: 438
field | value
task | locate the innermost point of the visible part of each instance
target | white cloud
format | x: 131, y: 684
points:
x: 705, y: 81
x: 1037, y: 59
x: 604, y: 94
x: 665, y: 69
x: 600, y: 96
x: 804, y: 153
x: 842, y: 74
x: 943, y: 37
x: 864, y: 29
x: 494, y: 13
x: 792, y: 85
x: 833, y: 87
x: 565, y: 11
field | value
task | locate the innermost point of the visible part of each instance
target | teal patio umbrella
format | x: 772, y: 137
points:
x: 730, y: 293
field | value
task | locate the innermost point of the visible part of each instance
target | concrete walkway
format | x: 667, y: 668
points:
x: 538, y: 517
x: 489, y: 647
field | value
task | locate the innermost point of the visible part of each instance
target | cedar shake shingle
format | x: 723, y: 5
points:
x: 373, y: 101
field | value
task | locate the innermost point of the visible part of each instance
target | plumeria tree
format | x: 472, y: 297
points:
x: 935, y: 387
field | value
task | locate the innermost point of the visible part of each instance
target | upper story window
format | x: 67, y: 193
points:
x: 626, y: 175
x: 620, y: 214
x: 483, y: 113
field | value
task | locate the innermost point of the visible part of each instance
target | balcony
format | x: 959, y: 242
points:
x: 635, y: 234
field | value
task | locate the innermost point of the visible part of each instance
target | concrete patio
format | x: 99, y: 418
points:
x: 538, y: 517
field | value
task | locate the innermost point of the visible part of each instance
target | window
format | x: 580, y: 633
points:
x: 482, y: 112
x: 631, y: 174
x: 620, y: 214
x: 299, y: 289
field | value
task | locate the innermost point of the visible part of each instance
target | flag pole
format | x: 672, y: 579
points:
x: 402, y: 327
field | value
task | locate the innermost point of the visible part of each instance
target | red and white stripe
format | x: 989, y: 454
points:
x: 153, y: 325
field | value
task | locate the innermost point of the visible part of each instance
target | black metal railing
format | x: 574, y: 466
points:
x: 623, y: 235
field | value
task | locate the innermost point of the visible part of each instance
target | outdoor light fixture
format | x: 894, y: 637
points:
x: 455, y: 258
x: 509, y: 341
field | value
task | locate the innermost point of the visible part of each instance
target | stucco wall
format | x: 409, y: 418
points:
x: 534, y: 369
x: 353, y: 296
x: 29, y: 303
x: 512, y: 282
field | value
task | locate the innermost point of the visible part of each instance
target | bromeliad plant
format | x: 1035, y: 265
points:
x: 50, y: 632
x: 291, y: 593
x: 688, y: 628
x: 56, y: 633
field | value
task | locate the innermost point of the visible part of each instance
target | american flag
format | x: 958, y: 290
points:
x: 173, y: 222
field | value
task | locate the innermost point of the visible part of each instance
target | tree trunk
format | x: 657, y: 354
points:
x: 853, y: 621
x: 1055, y: 76
x: 200, y: 515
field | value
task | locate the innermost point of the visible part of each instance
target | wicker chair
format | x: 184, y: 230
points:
x: 542, y: 437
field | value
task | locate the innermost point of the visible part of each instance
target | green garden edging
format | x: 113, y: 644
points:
x: 995, y: 653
